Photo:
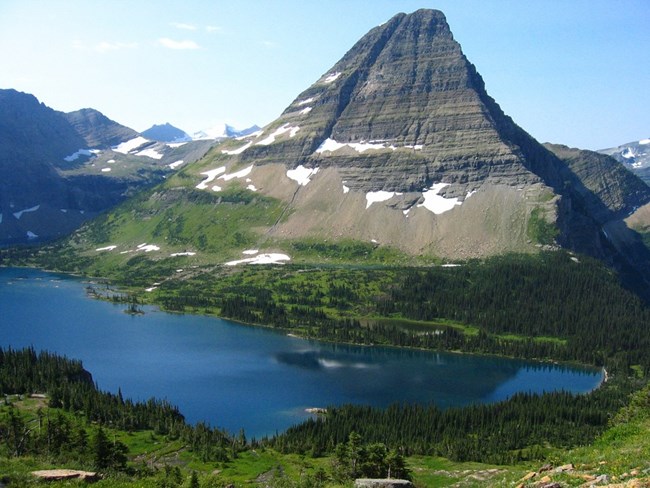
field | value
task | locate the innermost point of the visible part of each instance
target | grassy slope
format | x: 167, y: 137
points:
x: 622, y: 453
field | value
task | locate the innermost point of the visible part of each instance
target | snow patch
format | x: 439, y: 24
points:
x: 239, y: 174
x: 450, y: 265
x: 150, y: 289
x: 644, y: 141
x: 436, y: 203
x: 332, y: 145
x: 345, y: 189
x: 329, y: 145
x: 210, y: 175
x: 628, y: 153
x: 186, y: 253
x: 365, y: 146
x: 216, y: 188
x: 234, y: 152
x: 417, y: 147
x: 250, y: 252
x: 305, y: 110
x: 174, y: 145
x: 176, y: 164
x: 301, y: 174
x: 31, y: 235
x: 251, y: 188
x: 332, y: 77
x: 148, y: 247
x: 252, y: 135
x: 130, y: 145
x: 278, y: 132
x: 469, y: 194
x: 305, y: 101
x: 107, y: 248
x: 150, y: 153
x: 81, y: 152
x: 110, y: 161
x: 378, y: 196
x: 21, y: 212
x: 105, y: 170
x: 271, y: 258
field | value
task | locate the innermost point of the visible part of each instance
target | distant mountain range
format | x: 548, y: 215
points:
x: 400, y: 148
x: 58, y: 169
x: 635, y: 155
x: 223, y: 131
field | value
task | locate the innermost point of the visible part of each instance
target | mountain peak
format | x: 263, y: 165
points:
x: 166, y: 133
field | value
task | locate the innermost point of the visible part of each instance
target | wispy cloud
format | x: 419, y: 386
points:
x: 180, y: 25
x: 104, y: 46
x: 172, y: 44
x: 213, y: 28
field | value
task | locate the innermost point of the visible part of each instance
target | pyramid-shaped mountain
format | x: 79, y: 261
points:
x: 399, y: 145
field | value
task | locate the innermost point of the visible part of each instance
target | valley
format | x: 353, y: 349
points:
x: 453, y: 301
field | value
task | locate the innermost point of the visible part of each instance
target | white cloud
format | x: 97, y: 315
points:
x: 172, y: 44
x: 180, y: 25
x: 212, y: 28
x: 103, y: 46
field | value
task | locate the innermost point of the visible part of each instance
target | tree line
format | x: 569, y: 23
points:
x: 70, y: 389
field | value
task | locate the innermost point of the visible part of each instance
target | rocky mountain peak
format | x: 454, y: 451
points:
x: 406, y: 102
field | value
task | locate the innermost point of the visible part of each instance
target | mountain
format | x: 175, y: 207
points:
x: 58, y: 169
x: 166, y: 133
x: 98, y: 130
x: 223, y: 131
x: 397, y: 147
x: 634, y: 155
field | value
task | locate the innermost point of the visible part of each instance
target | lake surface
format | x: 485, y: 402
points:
x: 234, y: 376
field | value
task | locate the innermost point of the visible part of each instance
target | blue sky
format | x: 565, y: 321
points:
x: 575, y: 72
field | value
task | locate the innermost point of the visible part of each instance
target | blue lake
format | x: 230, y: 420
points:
x: 235, y: 376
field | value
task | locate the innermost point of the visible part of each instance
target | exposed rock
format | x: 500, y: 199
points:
x: 382, y: 483
x: 528, y: 476
x: 65, y: 474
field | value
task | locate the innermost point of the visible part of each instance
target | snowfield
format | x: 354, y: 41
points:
x: 130, y: 145
x: 332, y: 77
x: 80, y: 152
x: 301, y: 174
x: 305, y: 101
x: 210, y: 176
x: 107, y: 248
x: 278, y: 132
x: 234, y: 152
x: 436, y: 203
x: 271, y: 258
x: 150, y: 153
x: 148, y: 247
x: 378, y: 196
x: 331, y: 145
x: 176, y: 164
x: 239, y: 174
